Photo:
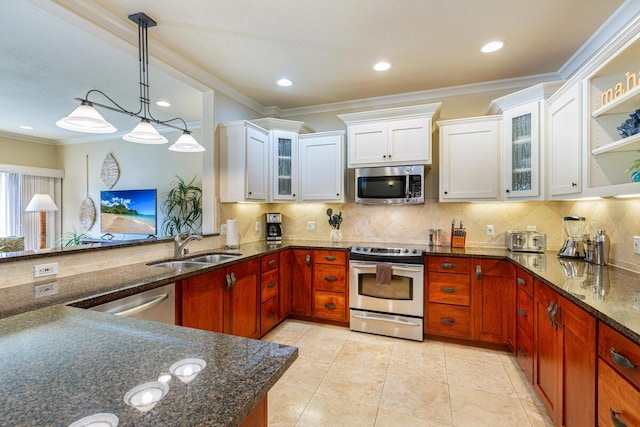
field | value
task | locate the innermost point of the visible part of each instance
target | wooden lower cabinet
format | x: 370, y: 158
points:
x: 243, y: 313
x: 493, y: 300
x: 329, y: 284
x: 449, y: 320
x: 564, y: 358
x: 284, y: 273
x: 203, y: 301
x: 524, y: 313
x: 301, y: 268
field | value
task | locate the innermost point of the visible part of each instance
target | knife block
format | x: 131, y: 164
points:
x: 458, y: 238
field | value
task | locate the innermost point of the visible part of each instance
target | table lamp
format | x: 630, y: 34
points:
x: 42, y: 203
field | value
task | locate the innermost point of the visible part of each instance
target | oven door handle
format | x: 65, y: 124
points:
x: 393, y: 266
x: 385, y: 319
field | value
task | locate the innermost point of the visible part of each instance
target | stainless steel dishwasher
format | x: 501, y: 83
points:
x: 157, y: 304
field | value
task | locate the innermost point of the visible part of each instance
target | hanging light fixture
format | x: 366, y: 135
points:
x: 87, y: 119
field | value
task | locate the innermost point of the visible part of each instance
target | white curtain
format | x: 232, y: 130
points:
x: 13, y: 204
x: 31, y: 220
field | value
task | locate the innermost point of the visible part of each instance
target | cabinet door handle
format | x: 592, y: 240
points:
x: 549, y: 312
x: 448, y: 265
x: 522, y: 313
x: 271, y: 315
x: 233, y: 280
x: 521, y: 352
x: 448, y: 290
x: 271, y: 262
x: 307, y: 260
x: 621, y: 360
x: 447, y: 321
x: 271, y: 285
x: 520, y: 281
x: 330, y: 278
x: 574, y: 184
x: 478, y: 272
x: 507, y: 190
x: 615, y: 420
x: 330, y: 306
x: 330, y: 258
x: 229, y: 284
x: 554, y: 322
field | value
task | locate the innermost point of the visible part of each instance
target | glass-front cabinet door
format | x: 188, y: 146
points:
x: 284, y: 165
x: 521, y: 135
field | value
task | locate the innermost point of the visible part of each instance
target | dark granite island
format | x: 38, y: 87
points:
x: 61, y: 364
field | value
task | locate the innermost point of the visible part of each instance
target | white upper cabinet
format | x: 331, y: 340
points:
x: 244, y: 162
x: 564, y: 135
x: 322, y: 167
x: 395, y: 136
x: 470, y: 159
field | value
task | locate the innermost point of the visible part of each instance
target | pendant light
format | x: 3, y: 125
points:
x: 85, y: 118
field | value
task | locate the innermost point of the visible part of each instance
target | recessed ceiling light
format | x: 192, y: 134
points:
x: 382, y: 66
x: 284, y: 82
x: 26, y: 127
x: 492, y: 46
x: 163, y: 104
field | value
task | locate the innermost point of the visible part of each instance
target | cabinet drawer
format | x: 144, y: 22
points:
x: 616, y: 399
x: 524, y: 312
x: 268, y: 315
x: 269, y: 285
x: 620, y: 352
x: 524, y: 352
x: 329, y: 305
x: 331, y: 278
x: 524, y: 281
x: 330, y: 257
x: 450, y: 264
x: 449, y: 320
x: 449, y: 288
x: 269, y: 262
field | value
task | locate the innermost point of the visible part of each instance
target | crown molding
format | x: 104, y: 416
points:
x: 524, y: 96
x: 27, y: 138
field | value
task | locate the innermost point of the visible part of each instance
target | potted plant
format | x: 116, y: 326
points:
x: 182, y: 208
x: 634, y: 168
x: 72, y: 238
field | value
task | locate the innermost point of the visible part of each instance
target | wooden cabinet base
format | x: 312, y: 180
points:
x: 618, y: 401
x: 259, y: 416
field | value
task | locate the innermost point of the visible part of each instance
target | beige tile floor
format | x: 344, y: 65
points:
x: 345, y: 378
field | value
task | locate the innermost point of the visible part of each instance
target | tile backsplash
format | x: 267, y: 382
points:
x: 410, y: 224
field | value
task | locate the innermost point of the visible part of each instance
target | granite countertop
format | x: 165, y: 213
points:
x: 609, y: 293
x: 61, y: 364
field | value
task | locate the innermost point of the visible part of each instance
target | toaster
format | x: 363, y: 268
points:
x: 525, y: 241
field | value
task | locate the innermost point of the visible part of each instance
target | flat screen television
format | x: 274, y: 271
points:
x: 128, y: 211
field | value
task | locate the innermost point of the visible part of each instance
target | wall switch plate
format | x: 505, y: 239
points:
x: 257, y: 226
x: 311, y: 226
x: 490, y: 230
x: 223, y: 229
x: 636, y: 244
x: 45, y: 269
x: 46, y: 289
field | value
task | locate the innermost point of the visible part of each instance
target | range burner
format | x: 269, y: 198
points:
x: 369, y: 253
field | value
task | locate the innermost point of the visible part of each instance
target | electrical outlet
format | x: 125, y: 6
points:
x: 311, y: 226
x: 45, y: 269
x: 257, y: 226
x: 46, y: 289
x: 636, y: 244
x: 490, y: 230
x: 223, y: 229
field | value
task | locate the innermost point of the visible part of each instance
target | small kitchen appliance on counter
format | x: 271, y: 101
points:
x: 525, y: 241
x: 274, y: 228
x: 574, y: 227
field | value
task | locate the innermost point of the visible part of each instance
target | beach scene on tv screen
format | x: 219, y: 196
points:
x: 128, y: 211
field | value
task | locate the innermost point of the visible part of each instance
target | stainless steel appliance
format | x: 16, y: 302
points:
x: 393, y: 307
x: 390, y: 185
x: 574, y: 227
x: 274, y: 228
x: 157, y: 304
x: 525, y: 241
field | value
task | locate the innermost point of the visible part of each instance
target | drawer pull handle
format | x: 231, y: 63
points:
x: 330, y: 258
x: 478, y: 272
x: 330, y: 278
x: 448, y: 265
x: 520, y: 281
x: 229, y: 283
x: 522, y: 353
x: 522, y: 313
x: 271, y: 315
x: 447, y: 321
x: 615, y: 420
x: 271, y: 262
x: 621, y: 360
x: 448, y: 290
x: 330, y: 306
x: 271, y: 285
x: 307, y: 260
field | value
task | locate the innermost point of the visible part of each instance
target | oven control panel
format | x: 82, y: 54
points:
x: 368, y: 253
x: 385, y: 251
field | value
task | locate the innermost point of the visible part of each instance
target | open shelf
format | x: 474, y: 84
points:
x: 627, y: 103
x: 630, y: 143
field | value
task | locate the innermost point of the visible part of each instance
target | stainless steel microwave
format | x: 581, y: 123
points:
x: 390, y: 185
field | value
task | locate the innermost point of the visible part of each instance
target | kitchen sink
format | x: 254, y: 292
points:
x: 213, y: 258
x: 179, y: 265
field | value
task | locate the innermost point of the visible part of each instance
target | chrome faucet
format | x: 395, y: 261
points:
x: 180, y: 241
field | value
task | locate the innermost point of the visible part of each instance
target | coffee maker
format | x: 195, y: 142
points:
x: 274, y: 228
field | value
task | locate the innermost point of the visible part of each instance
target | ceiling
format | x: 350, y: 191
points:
x: 55, y: 50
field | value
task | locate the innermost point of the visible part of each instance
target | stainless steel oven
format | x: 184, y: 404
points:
x: 393, y: 306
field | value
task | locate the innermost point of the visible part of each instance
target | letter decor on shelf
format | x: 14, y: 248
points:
x: 110, y: 171
x: 619, y: 89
